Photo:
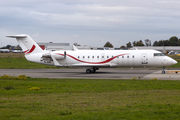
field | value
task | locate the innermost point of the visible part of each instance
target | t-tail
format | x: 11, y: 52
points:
x: 33, y: 52
x: 28, y: 45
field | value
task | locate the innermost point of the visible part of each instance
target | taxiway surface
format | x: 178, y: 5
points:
x: 103, y: 73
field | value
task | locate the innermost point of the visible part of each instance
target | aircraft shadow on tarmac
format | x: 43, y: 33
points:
x: 99, y: 72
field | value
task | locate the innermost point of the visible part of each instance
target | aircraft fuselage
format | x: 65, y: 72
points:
x: 103, y: 58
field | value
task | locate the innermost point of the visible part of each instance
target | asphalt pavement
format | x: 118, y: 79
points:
x: 102, y: 73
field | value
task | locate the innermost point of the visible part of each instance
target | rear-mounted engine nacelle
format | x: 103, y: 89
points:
x: 59, y: 56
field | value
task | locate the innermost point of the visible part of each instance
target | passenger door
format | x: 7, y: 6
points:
x: 144, y: 58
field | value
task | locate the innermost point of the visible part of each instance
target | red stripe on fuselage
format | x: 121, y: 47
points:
x: 106, y: 61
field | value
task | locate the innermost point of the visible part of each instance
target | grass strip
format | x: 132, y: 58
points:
x: 40, y: 98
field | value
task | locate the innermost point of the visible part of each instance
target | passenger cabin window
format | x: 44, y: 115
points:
x: 88, y: 56
x: 127, y: 56
x: 122, y: 56
x: 112, y: 56
x: 83, y: 57
x: 78, y: 57
x: 107, y: 56
x: 97, y: 56
x: 159, y: 54
x: 117, y: 56
x: 133, y: 56
x: 92, y: 56
x: 102, y: 56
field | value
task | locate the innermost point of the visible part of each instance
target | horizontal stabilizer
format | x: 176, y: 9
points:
x: 17, y: 36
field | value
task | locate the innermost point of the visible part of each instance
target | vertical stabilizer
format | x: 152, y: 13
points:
x: 27, y: 44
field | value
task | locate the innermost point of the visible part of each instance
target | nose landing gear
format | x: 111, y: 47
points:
x: 163, y: 72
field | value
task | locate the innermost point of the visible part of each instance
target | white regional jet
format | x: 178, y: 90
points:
x: 92, y: 60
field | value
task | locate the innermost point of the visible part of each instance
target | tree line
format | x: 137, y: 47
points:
x: 173, y: 41
x: 11, y: 47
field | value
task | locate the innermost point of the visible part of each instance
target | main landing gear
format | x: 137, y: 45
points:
x: 93, y: 70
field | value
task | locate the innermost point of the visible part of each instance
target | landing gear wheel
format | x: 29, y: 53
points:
x: 88, y: 71
x: 163, y: 72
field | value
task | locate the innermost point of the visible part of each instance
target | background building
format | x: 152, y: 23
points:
x: 60, y: 46
x: 55, y: 46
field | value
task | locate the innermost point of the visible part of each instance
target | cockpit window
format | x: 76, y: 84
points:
x: 159, y: 54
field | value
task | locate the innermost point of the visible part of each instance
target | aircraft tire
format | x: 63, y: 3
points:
x: 163, y: 72
x: 88, y: 71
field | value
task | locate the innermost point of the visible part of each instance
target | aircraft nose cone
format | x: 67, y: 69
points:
x: 174, y: 62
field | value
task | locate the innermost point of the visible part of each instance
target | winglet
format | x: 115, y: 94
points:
x: 75, y: 48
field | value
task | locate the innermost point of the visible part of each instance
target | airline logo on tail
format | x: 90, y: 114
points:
x: 31, y: 50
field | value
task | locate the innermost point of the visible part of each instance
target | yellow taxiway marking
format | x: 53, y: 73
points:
x: 174, y: 71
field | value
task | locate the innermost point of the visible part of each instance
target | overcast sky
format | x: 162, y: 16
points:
x: 89, y: 22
